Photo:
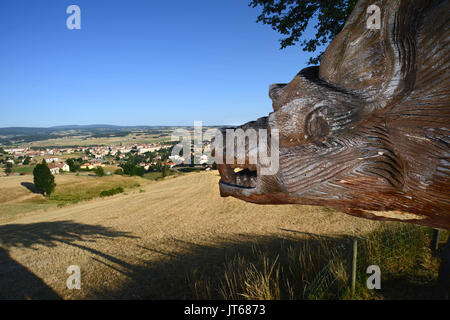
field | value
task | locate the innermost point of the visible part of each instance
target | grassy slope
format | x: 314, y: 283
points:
x: 17, y: 197
x: 174, y: 238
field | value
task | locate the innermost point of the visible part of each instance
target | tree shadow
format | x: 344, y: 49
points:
x: 187, y: 270
x: 177, y: 276
x: 16, y: 281
x: 30, y: 186
x: 197, y: 271
x: 415, y: 288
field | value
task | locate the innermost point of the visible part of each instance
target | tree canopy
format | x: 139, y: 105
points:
x: 99, y: 172
x: 291, y: 17
x: 165, y: 170
x: 43, y: 179
x: 132, y: 169
x: 74, y: 164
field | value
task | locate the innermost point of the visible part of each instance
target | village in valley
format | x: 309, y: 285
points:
x: 144, y: 159
x: 89, y: 158
x: 84, y: 165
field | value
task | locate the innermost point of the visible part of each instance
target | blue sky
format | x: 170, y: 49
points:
x: 138, y: 62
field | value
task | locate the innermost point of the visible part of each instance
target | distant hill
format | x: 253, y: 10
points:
x: 89, y: 126
x: 18, y: 135
x: 97, y: 127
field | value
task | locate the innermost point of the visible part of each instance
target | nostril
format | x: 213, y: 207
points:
x: 275, y: 93
x: 275, y: 90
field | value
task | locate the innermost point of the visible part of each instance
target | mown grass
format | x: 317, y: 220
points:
x: 319, y: 268
x: 70, y: 188
x: 13, y: 211
x: 23, y: 169
x: 87, y: 188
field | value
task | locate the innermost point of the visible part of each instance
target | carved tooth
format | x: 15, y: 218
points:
x: 253, y: 181
x: 227, y: 173
x: 239, y: 180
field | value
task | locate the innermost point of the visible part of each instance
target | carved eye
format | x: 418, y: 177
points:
x: 318, y: 126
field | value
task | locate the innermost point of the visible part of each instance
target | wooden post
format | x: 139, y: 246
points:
x: 354, y: 258
x: 435, y: 240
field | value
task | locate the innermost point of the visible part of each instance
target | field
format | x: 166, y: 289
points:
x: 175, y: 238
x: 133, y: 138
x: 18, y: 197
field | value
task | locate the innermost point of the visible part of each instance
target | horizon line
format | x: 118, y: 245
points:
x: 109, y: 125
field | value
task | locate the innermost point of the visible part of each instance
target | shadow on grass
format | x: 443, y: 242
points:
x: 195, y: 271
x: 414, y: 288
x: 218, y: 272
x: 272, y: 267
x: 31, y: 187
x: 16, y: 281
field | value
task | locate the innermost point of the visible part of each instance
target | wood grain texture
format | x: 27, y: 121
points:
x: 367, y: 132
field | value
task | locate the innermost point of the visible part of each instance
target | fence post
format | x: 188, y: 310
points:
x: 354, y: 258
x: 435, y: 240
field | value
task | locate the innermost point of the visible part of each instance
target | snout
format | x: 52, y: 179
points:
x: 236, y: 153
x: 275, y: 93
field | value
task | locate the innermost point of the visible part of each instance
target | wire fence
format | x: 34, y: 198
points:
x: 325, y: 279
x: 391, y: 249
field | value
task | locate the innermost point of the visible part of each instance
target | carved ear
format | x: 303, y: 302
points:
x: 378, y: 63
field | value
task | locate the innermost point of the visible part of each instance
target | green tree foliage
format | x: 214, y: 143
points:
x: 43, y: 180
x: 129, y: 168
x: 291, y: 17
x: 158, y: 165
x: 111, y: 192
x: 74, y: 164
x: 26, y: 161
x: 140, y: 171
x: 8, y: 168
x: 132, y: 169
x: 99, y: 171
x: 165, y: 170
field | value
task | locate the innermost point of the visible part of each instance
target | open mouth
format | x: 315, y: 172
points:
x: 242, y: 176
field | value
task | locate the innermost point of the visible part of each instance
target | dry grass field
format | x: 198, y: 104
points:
x: 92, y: 141
x: 144, y: 243
x: 177, y: 238
x: 18, y: 196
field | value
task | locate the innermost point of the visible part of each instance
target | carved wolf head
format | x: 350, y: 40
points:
x: 367, y: 132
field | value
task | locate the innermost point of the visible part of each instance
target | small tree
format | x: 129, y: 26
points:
x: 26, y: 161
x: 8, y: 168
x: 43, y: 179
x: 129, y: 169
x: 165, y: 170
x: 99, y: 171
x: 140, y: 171
x: 73, y: 164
